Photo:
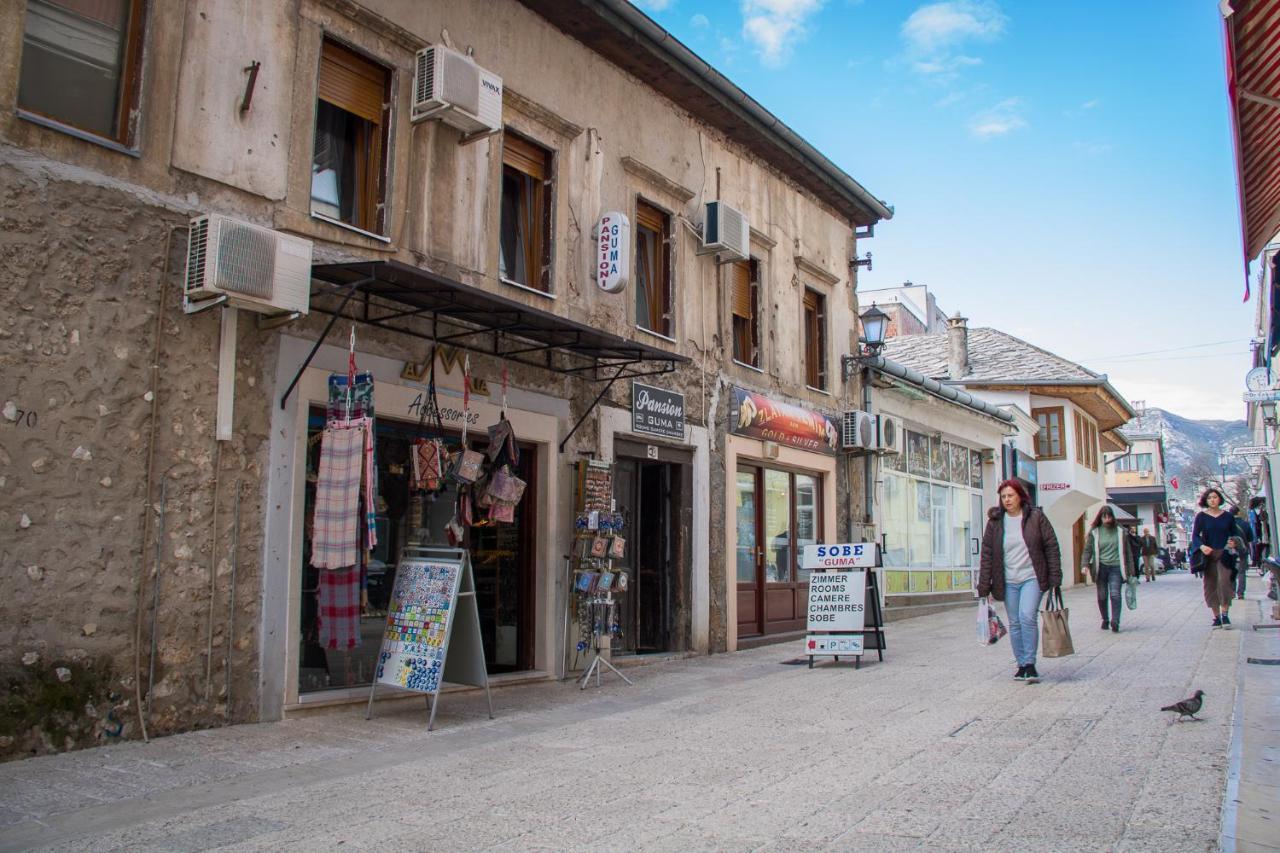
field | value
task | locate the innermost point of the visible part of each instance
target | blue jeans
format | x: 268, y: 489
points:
x: 1022, y: 606
x: 1110, y: 584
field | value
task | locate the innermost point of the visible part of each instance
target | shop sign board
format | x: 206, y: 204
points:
x: 837, y: 601
x: 1054, y: 487
x: 1261, y: 396
x: 756, y: 416
x: 613, y: 252
x: 860, y: 555
x: 1255, y: 450
x: 656, y: 411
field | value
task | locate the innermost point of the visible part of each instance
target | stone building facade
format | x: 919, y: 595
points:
x: 157, y: 574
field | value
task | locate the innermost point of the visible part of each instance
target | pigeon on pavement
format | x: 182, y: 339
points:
x: 1187, y: 707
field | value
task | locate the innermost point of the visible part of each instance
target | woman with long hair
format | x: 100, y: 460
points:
x: 1020, y: 561
x: 1109, y: 557
x: 1212, y: 527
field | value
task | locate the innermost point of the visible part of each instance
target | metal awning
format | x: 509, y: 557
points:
x: 1252, y: 35
x: 1137, y: 494
x: 389, y: 294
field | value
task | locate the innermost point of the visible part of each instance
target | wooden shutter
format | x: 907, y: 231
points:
x: 740, y: 289
x: 648, y: 216
x: 352, y: 83
x: 525, y: 156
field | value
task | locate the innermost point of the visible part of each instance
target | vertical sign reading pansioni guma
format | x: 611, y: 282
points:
x: 656, y: 411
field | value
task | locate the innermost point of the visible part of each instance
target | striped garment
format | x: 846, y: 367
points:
x: 339, y: 608
x: 335, y: 539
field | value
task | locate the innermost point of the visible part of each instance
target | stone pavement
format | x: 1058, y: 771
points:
x: 936, y: 748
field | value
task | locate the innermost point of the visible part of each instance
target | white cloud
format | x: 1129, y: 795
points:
x: 1088, y: 105
x: 936, y: 27
x: 774, y: 26
x: 700, y: 21
x: 934, y: 34
x: 947, y: 66
x: 1002, y: 119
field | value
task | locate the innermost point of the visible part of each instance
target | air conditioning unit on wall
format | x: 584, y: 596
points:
x: 253, y: 267
x: 888, y: 434
x: 858, y: 431
x: 726, y: 232
x: 449, y: 86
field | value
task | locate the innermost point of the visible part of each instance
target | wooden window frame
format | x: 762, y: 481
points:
x: 1093, y: 446
x: 537, y: 162
x: 1050, y: 412
x: 653, y: 218
x: 814, y: 312
x: 370, y: 215
x: 128, y: 98
x: 753, y: 322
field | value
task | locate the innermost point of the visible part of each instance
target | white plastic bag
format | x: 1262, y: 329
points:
x: 984, y: 637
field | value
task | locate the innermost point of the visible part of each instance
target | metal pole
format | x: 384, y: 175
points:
x: 231, y: 596
x: 155, y: 599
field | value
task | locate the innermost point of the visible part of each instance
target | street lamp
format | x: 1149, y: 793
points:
x: 874, y: 325
x: 1222, y: 466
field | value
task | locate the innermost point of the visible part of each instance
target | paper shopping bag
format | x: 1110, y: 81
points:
x: 1055, y: 633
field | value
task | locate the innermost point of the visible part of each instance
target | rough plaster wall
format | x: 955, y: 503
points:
x: 81, y: 268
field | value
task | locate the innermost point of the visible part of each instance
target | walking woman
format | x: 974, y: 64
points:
x: 1210, y: 531
x: 1109, y: 557
x: 1020, y: 561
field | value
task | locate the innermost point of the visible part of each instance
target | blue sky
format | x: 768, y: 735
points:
x: 1060, y: 171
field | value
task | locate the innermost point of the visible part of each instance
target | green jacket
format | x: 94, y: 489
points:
x: 1089, y: 558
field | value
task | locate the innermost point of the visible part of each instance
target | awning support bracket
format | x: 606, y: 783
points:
x: 333, y: 318
x: 594, y: 403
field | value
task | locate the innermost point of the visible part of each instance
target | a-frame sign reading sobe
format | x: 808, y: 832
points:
x: 433, y: 628
x: 844, y: 615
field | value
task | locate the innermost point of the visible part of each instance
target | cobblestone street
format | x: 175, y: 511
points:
x: 935, y: 748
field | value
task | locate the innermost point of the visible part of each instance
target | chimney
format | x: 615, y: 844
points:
x: 957, y: 347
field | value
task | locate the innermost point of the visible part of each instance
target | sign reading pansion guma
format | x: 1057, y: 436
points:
x: 756, y: 416
x: 656, y: 411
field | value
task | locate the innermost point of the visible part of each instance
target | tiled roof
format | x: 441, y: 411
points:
x: 993, y: 356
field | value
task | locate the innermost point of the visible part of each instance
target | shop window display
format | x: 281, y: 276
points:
x: 404, y: 518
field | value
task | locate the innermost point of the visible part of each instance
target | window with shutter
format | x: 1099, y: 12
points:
x: 81, y: 65
x: 524, y: 239
x: 347, y: 180
x: 815, y: 340
x: 653, y: 269
x: 744, y: 305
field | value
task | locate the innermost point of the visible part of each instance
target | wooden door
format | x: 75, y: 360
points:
x: 750, y: 556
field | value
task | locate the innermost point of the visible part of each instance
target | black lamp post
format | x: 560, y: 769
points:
x: 874, y: 325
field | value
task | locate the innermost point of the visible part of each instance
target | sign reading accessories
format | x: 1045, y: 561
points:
x: 656, y: 411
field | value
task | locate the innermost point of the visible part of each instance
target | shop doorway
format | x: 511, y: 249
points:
x: 650, y: 495
x: 501, y: 556
x: 777, y: 513
x: 1077, y: 549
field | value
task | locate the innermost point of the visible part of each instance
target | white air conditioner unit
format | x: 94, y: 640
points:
x: 858, y: 431
x: 449, y: 86
x: 725, y: 231
x: 888, y: 434
x: 253, y: 267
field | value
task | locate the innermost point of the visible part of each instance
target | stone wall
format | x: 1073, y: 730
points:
x: 81, y: 272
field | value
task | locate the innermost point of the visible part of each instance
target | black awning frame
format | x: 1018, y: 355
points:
x: 374, y: 293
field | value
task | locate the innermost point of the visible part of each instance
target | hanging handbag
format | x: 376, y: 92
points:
x: 1055, y: 632
x: 505, y: 486
x: 1131, y: 593
x: 465, y: 466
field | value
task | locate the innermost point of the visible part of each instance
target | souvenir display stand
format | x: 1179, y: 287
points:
x: 594, y: 585
x: 433, y: 613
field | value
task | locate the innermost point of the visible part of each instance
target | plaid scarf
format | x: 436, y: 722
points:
x: 339, y: 608
x: 346, y: 461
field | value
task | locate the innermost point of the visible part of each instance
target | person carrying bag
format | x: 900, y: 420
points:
x: 1019, y: 561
